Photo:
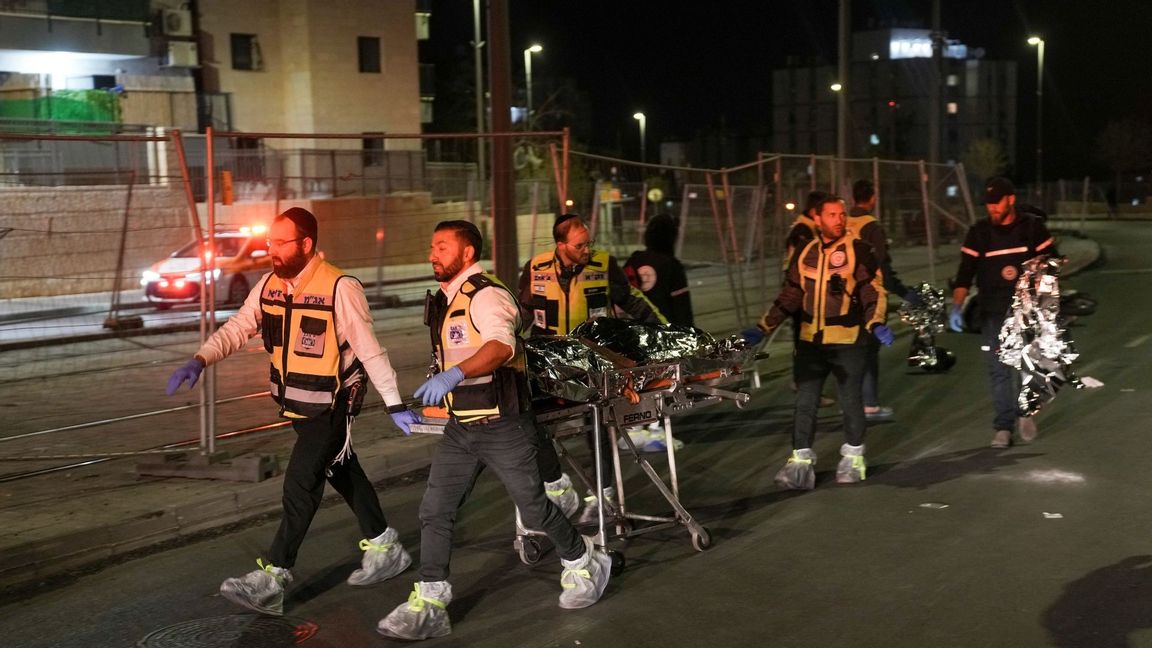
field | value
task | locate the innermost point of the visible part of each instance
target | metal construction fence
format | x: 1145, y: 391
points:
x: 738, y: 217
x: 91, y: 223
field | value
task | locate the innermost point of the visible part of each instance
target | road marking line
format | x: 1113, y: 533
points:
x: 1137, y: 341
x: 1125, y: 271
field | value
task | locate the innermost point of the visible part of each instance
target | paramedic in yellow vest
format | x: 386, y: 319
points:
x: 317, y: 330
x: 862, y: 222
x: 834, y: 283
x: 481, y: 378
x: 559, y: 290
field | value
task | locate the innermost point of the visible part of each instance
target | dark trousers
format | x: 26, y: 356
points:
x: 318, y: 441
x: 508, y: 446
x: 1004, y: 380
x: 813, y: 363
x: 870, y: 387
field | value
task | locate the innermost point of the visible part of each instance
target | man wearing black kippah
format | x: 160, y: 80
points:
x: 317, y: 330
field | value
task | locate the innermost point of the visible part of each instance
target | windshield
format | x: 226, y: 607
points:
x: 228, y: 246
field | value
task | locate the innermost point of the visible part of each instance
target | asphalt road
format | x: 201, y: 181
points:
x: 948, y: 542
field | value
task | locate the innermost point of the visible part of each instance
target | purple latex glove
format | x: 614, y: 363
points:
x: 404, y: 420
x: 190, y: 371
x: 437, y: 387
x: 956, y: 319
x: 752, y: 336
x: 884, y: 334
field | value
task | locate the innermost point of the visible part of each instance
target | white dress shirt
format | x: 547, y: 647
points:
x: 495, y: 313
x: 353, y: 324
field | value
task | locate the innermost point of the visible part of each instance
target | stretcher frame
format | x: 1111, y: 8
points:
x: 664, y: 392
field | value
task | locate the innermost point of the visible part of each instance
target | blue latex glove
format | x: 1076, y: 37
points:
x: 190, y: 371
x: 913, y: 298
x: 752, y: 336
x: 437, y: 387
x: 884, y: 334
x: 404, y: 420
x: 956, y: 320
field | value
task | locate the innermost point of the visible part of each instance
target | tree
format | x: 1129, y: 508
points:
x: 1124, y: 145
x: 985, y: 158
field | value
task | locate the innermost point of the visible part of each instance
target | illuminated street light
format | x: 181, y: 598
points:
x: 534, y: 49
x: 1038, y: 43
x: 836, y: 87
x: 640, y: 117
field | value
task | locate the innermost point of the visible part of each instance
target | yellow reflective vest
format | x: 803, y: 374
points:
x: 455, y: 338
x: 557, y: 312
x: 837, y: 289
x: 309, y: 366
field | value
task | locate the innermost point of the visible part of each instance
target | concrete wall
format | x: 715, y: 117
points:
x: 66, y: 240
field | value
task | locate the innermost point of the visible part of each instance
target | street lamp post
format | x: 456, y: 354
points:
x: 535, y: 48
x: 481, y: 114
x: 1038, y: 43
x: 640, y: 117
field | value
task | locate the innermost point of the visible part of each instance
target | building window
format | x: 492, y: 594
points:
x: 953, y: 80
x: 426, y: 109
x: 368, y: 49
x: 953, y: 108
x: 373, y: 154
x: 246, y: 52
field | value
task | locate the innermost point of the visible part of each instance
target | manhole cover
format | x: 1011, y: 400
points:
x: 247, y: 630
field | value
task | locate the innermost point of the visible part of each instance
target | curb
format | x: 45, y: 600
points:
x: 44, y: 563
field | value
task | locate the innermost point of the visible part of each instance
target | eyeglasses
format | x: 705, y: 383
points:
x: 580, y: 247
x: 281, y: 242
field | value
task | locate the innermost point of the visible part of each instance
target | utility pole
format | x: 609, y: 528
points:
x: 505, y: 251
x: 481, y: 114
x: 842, y: 94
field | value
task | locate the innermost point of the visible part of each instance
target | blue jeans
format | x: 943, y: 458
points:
x: 508, y: 446
x: 813, y: 363
x: 1004, y: 380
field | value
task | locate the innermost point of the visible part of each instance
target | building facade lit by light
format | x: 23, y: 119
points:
x: 889, y: 98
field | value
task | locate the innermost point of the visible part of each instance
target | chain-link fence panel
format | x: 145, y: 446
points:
x: 85, y: 219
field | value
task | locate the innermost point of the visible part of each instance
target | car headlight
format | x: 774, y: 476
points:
x: 149, y: 275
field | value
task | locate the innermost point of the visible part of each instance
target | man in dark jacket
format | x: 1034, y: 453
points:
x: 992, y: 254
x: 834, y: 284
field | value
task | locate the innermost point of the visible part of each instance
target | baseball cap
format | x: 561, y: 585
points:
x: 997, y: 188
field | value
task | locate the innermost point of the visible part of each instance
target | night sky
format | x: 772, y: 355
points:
x: 699, y: 65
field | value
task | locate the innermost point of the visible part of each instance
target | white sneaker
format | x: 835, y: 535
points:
x: 261, y: 591
x: 384, y: 557
x: 585, y: 578
x: 563, y: 495
x: 423, y: 616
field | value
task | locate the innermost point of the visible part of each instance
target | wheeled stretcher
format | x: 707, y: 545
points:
x: 631, y: 397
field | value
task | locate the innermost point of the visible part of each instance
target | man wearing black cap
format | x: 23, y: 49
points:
x: 992, y: 254
x: 317, y: 330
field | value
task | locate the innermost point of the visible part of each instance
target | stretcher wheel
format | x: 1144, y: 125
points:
x: 618, y: 561
x: 701, y: 540
x: 530, y: 550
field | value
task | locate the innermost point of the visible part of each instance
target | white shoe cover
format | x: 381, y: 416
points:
x: 423, y: 616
